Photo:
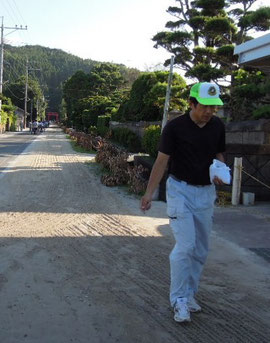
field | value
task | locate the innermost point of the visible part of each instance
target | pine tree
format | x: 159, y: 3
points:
x: 205, y: 32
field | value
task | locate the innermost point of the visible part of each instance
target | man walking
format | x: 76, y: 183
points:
x: 189, y: 143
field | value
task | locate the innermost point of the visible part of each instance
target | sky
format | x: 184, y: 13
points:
x: 117, y: 31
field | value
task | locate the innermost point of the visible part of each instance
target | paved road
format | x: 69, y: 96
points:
x: 12, y: 144
x: 81, y: 263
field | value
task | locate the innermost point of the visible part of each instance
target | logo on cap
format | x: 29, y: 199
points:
x: 212, y: 91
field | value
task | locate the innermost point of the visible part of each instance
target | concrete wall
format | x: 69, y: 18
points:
x: 251, y: 141
x: 252, y: 132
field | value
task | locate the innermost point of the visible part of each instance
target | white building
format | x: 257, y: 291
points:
x: 255, y: 53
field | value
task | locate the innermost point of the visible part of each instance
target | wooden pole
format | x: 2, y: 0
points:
x: 237, y: 177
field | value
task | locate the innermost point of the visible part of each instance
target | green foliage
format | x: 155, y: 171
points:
x: 105, y: 78
x: 92, y: 130
x: 204, y: 34
x: 147, y: 97
x: 247, y: 94
x: 91, y: 107
x: 89, y: 95
x: 259, y: 20
x: 114, y: 115
x: 127, y: 138
x: 55, y: 67
x: 204, y: 72
x: 151, y: 139
x: 217, y: 25
x: 12, y: 127
x: 103, y: 125
x: 8, y: 114
x: 16, y: 92
x: 262, y: 112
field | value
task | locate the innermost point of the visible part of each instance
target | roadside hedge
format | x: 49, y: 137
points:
x: 103, y: 124
x: 126, y: 138
x: 151, y: 139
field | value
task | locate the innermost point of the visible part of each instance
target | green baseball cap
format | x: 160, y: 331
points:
x: 206, y: 93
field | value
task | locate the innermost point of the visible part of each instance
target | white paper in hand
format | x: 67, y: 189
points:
x: 220, y: 170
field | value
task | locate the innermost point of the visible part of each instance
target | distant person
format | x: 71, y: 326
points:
x: 189, y: 143
x: 21, y: 125
x: 35, y: 127
x: 40, y: 126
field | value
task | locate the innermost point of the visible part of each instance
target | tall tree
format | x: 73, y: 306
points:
x: 147, y: 97
x: 89, y: 95
x: 35, y: 102
x: 204, y: 34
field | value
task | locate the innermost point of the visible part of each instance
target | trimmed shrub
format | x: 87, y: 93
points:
x: 119, y: 172
x: 151, y: 139
x: 127, y: 138
x: 103, y: 124
x: 115, y: 161
x: 92, y: 130
x: 262, y: 112
x: 86, y: 141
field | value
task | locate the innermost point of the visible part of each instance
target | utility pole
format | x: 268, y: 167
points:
x: 2, y: 55
x: 26, y: 92
x: 25, y: 95
x: 1, y: 67
x: 168, y: 94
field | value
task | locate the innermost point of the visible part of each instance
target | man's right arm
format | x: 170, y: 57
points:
x: 156, y: 175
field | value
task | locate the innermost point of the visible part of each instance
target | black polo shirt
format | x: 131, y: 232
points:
x: 191, y: 148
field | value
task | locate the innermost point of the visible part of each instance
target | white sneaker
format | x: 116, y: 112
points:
x: 193, y: 306
x: 181, y: 311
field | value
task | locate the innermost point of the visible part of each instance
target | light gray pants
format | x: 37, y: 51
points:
x: 190, y: 209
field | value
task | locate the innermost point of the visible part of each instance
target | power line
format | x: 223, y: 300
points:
x: 19, y: 12
x: 12, y: 13
x: 2, y: 54
x: 15, y: 96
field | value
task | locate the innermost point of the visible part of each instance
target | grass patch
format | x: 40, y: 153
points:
x: 95, y: 167
x: 80, y: 149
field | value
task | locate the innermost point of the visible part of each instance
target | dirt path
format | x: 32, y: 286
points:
x: 81, y: 263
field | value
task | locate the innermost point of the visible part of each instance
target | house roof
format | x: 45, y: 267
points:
x: 255, y: 53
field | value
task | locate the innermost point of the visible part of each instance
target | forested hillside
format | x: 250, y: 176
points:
x: 53, y: 67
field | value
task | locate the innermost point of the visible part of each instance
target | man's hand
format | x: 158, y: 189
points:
x: 146, y: 202
x: 217, y: 181
x: 156, y: 175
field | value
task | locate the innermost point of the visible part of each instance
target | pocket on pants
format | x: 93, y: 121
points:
x: 175, y: 207
x: 175, y: 198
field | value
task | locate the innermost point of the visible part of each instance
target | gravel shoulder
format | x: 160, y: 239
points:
x: 81, y: 263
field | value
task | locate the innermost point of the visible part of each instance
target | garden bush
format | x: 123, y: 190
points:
x: 103, y: 125
x: 88, y: 142
x: 119, y: 171
x: 127, y: 138
x: 92, y: 130
x: 151, y: 139
x: 262, y: 112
